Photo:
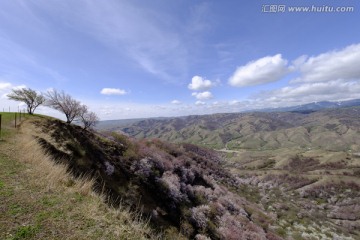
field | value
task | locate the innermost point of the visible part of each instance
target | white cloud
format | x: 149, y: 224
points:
x: 199, y: 83
x: 113, y: 91
x: 331, y: 76
x: 336, y: 90
x: 199, y: 103
x: 5, y: 86
x: 22, y: 86
x: 5, y: 89
x: 176, y: 102
x: 298, y: 62
x: 234, y: 102
x: 5, y: 103
x: 334, y: 65
x: 203, y: 95
x: 264, y: 70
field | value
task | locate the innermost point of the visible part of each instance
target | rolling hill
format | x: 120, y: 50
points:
x: 302, y: 167
x: 334, y: 129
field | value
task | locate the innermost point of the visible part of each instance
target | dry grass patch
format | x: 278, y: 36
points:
x: 41, y: 200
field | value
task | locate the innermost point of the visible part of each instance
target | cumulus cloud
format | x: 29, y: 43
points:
x: 176, y: 102
x: 203, y: 95
x: 264, y: 70
x: 330, y: 76
x: 335, y: 90
x: 199, y: 83
x: 113, y: 91
x: 342, y: 64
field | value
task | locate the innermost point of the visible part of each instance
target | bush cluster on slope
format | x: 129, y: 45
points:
x: 175, y: 185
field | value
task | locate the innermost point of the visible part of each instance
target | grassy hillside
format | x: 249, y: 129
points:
x: 41, y: 200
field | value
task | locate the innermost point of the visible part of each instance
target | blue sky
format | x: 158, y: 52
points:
x: 130, y: 59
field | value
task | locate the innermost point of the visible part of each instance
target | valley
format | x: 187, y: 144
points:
x: 303, y: 169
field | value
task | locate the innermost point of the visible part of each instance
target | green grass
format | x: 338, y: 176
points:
x: 25, y: 232
x: 8, y: 123
x: 9, y: 117
x: 50, y: 202
x: 16, y: 209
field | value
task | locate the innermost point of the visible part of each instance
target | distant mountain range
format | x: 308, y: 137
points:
x: 323, y: 124
x: 305, y: 108
x: 331, y: 129
x: 315, y: 106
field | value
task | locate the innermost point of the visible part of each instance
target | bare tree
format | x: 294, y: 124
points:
x: 64, y: 103
x: 87, y: 118
x: 30, y: 97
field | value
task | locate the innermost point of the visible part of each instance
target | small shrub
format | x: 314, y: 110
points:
x: 281, y: 231
x: 297, y: 236
x: 187, y: 229
x: 199, y: 198
x: 171, y: 186
x: 269, y: 163
x: 199, y: 216
x: 76, y: 150
x: 272, y: 236
x: 302, y: 164
x: 172, y: 233
x: 25, y: 232
x: 201, y: 237
x: 357, y: 173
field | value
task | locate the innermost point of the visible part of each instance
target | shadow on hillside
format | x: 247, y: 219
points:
x: 176, y: 186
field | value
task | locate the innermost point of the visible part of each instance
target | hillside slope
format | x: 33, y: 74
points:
x: 329, y: 129
x: 180, y: 188
x: 41, y: 200
x: 301, y: 168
